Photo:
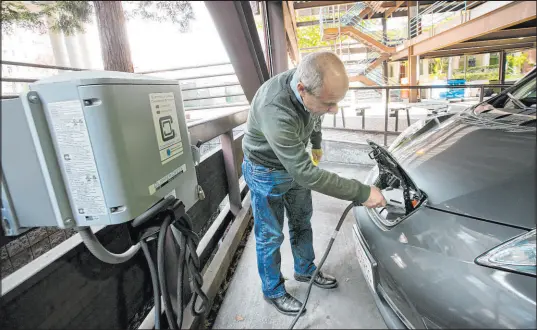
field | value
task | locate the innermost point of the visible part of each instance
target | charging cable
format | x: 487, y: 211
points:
x: 325, y: 255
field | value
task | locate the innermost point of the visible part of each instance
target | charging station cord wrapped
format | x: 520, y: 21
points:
x: 187, y: 241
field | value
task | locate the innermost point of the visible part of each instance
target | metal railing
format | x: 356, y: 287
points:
x: 429, y: 19
x: 209, y: 91
x: 436, y: 14
x: 393, y: 101
x: 352, y: 18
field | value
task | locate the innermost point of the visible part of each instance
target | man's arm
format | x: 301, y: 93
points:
x: 280, y: 129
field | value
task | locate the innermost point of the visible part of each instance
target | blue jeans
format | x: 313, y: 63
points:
x: 272, y: 191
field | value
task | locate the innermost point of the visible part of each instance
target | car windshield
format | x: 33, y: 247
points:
x: 513, y: 109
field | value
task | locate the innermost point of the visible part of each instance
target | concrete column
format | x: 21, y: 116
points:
x: 71, y: 44
x: 486, y: 59
x: 412, y: 59
x: 412, y: 75
x: 456, y: 62
x: 425, y: 65
x: 396, y: 71
x: 503, y: 60
x: 450, y: 67
x: 84, y: 50
x: 58, y: 48
x: 385, y: 63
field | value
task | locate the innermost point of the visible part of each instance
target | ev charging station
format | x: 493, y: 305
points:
x: 95, y: 148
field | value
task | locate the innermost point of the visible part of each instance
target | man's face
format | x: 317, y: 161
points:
x: 330, y: 94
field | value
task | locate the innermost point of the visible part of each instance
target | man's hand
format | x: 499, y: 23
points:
x: 376, y: 199
x: 316, y: 155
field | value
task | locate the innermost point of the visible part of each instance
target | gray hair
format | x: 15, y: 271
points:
x: 310, y: 70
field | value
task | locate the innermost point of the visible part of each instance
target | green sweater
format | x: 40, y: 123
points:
x: 276, y: 136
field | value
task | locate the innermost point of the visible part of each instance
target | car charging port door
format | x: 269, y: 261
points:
x: 401, y: 193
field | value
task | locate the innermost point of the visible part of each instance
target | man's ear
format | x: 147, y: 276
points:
x: 301, y: 88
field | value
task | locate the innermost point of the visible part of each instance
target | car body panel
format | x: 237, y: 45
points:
x: 475, y: 171
x: 425, y: 266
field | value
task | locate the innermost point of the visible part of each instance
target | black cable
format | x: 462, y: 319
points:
x: 326, y: 252
x: 162, y: 272
x: 180, y: 239
x: 173, y: 213
x: 192, y: 263
x: 187, y: 241
x: 154, y: 282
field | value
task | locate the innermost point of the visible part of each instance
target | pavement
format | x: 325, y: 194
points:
x: 350, y: 305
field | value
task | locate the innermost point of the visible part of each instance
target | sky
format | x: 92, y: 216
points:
x: 160, y: 45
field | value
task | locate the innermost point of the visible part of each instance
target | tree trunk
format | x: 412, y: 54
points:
x: 115, y: 48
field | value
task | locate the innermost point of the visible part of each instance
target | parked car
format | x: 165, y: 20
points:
x: 455, y: 246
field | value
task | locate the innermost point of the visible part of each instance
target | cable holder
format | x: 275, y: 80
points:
x: 154, y: 224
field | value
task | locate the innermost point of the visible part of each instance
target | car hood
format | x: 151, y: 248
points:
x: 473, y: 168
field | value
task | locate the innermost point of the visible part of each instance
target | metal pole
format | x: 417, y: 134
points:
x: 268, y: 41
x: 387, y: 100
x: 502, y: 67
x: 385, y: 62
x: 481, y: 93
x: 277, y: 35
x: 235, y: 202
x: 465, y: 63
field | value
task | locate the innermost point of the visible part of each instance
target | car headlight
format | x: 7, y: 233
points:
x: 517, y: 255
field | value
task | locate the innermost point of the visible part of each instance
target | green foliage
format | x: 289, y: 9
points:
x: 516, y: 61
x: 70, y: 16
x: 177, y: 12
x: 438, y: 66
x: 471, y: 76
x: 15, y: 13
x: 310, y: 36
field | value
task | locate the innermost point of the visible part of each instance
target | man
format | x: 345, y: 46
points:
x: 285, y: 113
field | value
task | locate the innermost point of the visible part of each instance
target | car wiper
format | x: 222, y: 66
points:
x: 516, y: 101
x: 530, y: 122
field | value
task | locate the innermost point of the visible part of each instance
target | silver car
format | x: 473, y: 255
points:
x: 455, y: 246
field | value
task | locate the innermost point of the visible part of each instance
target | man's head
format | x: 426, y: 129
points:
x: 322, y: 82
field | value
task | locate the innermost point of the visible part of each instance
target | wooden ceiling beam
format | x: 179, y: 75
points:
x: 499, y: 19
x: 390, y: 11
x: 315, y: 4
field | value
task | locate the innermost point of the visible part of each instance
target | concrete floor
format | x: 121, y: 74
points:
x: 350, y: 305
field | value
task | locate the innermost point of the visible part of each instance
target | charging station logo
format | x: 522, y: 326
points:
x: 166, y: 130
x: 165, y: 117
